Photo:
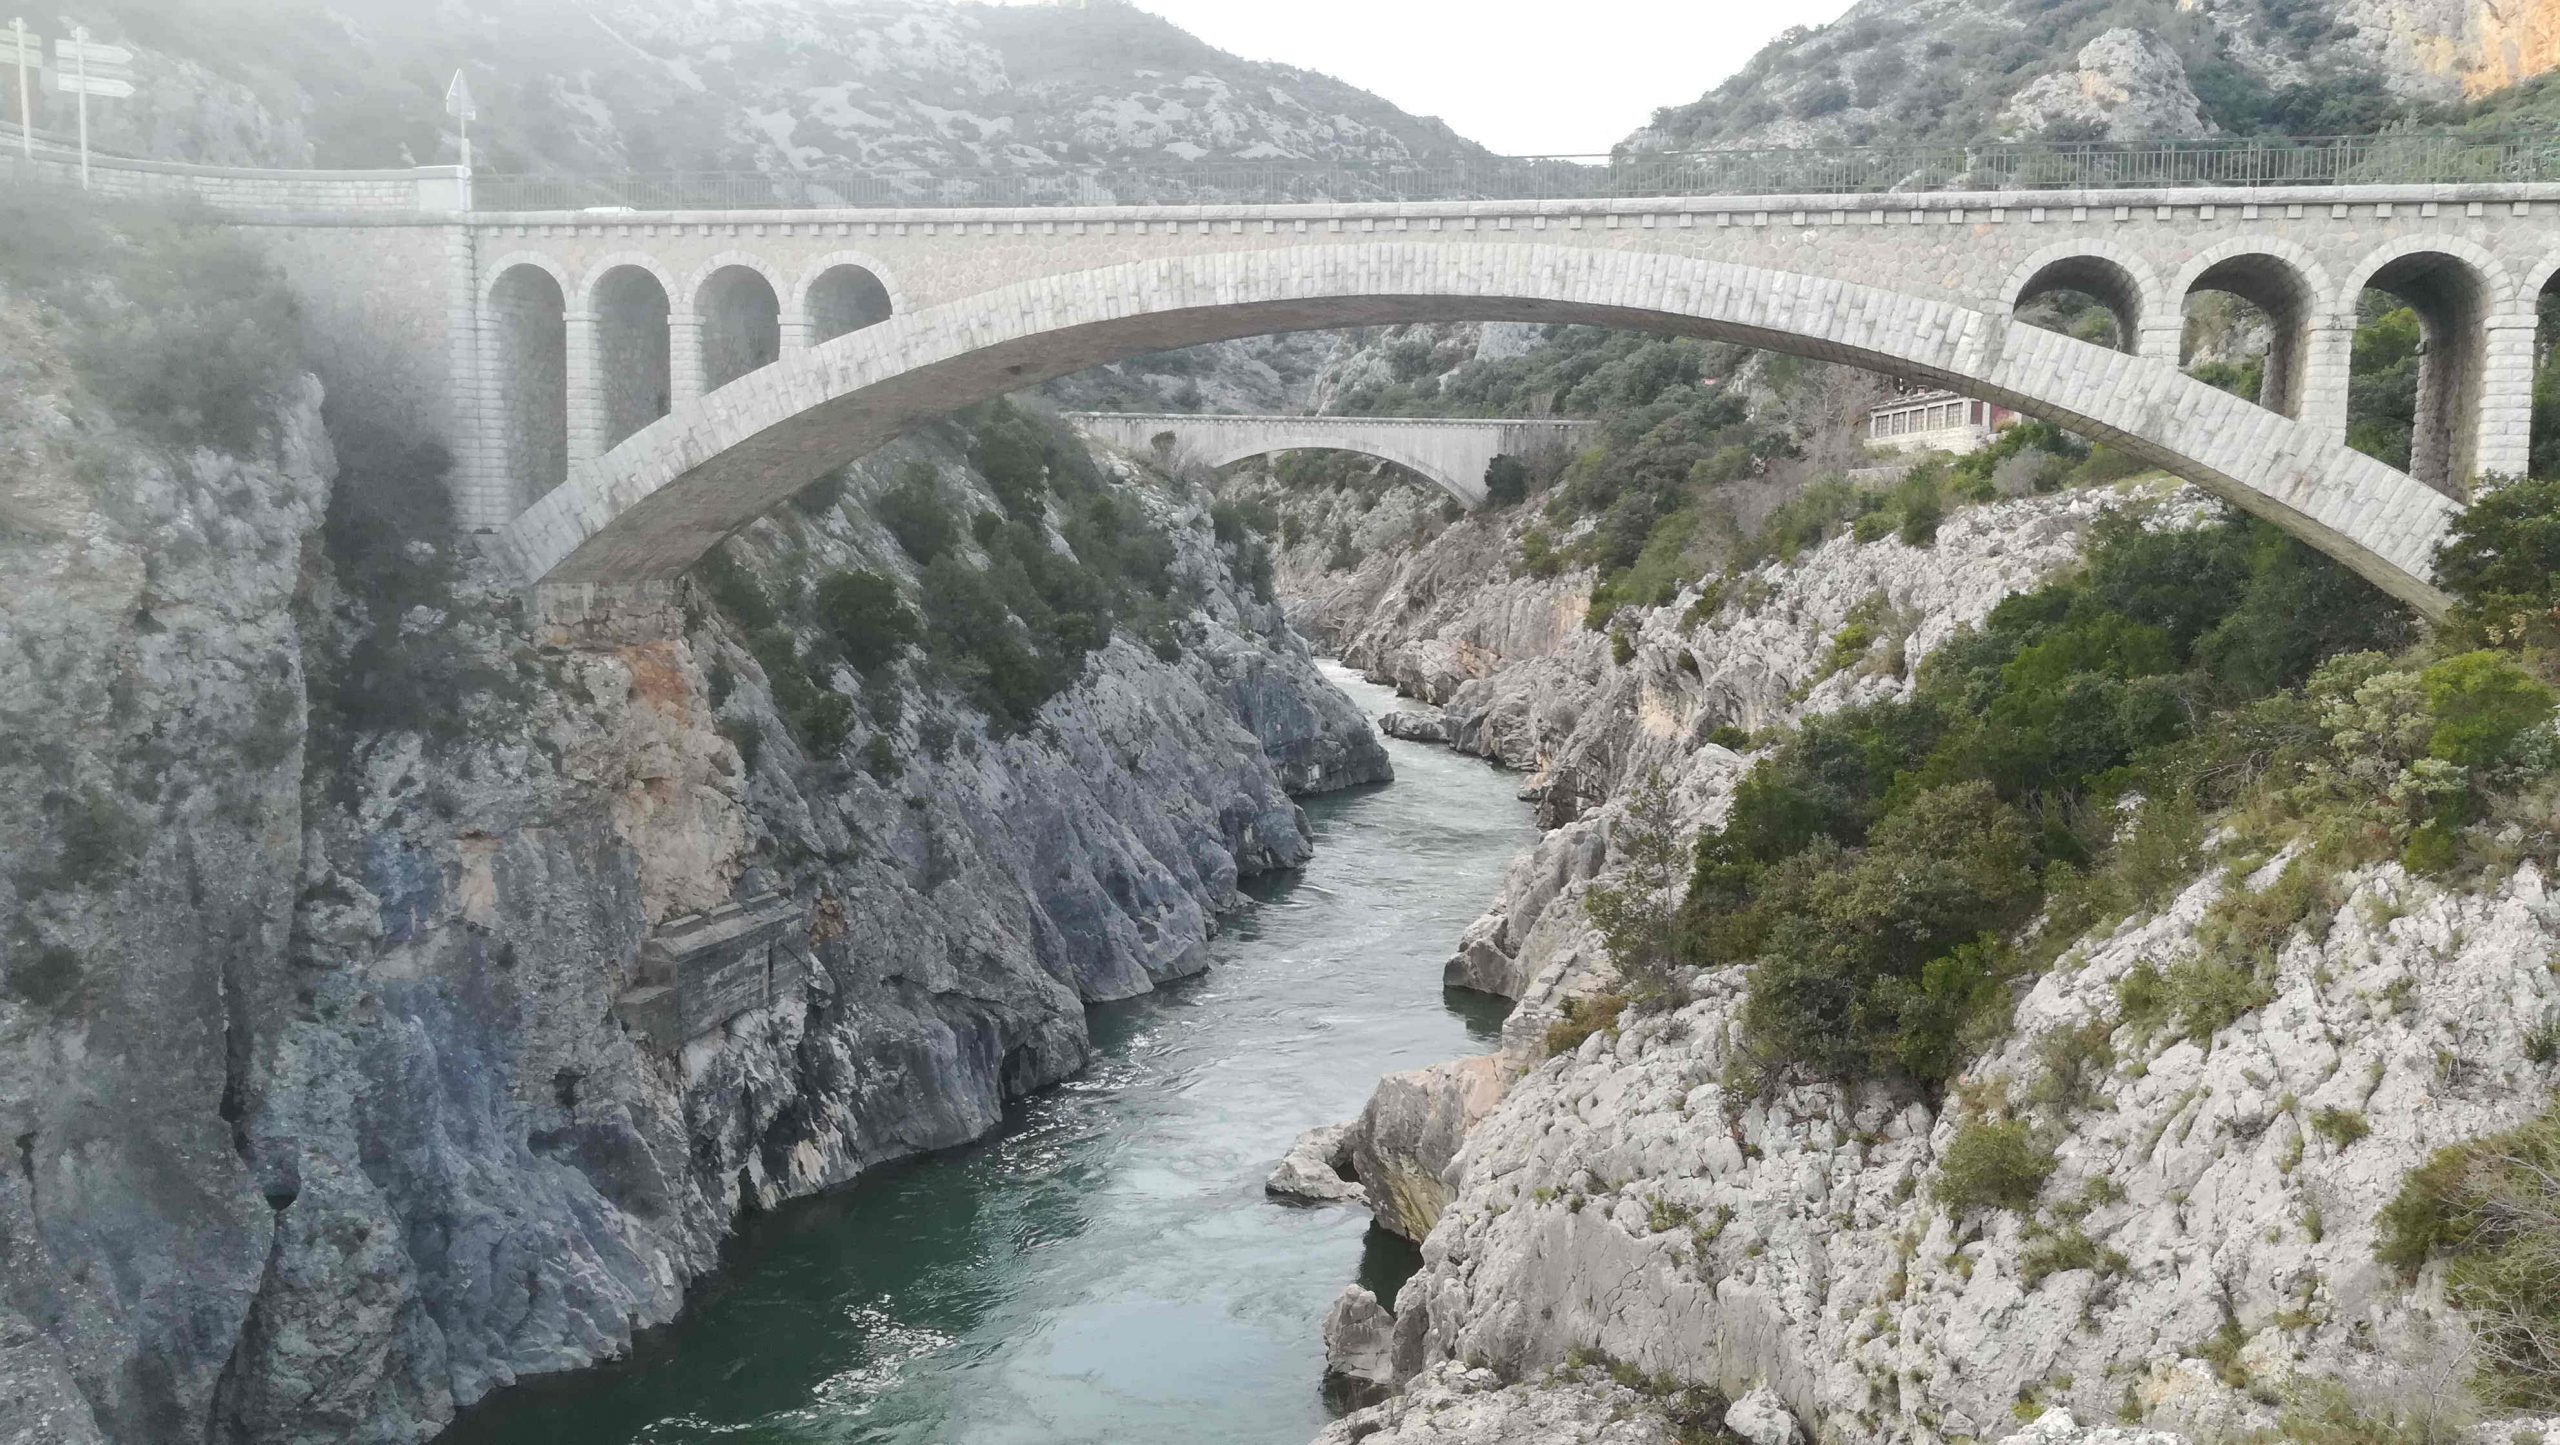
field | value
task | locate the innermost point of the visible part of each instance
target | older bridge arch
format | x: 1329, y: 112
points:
x: 1452, y: 452
x: 651, y: 506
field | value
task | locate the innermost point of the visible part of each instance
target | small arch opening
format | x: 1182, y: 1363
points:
x: 632, y: 359
x: 741, y: 324
x: 845, y: 299
x: 2543, y: 459
x: 530, y: 318
x: 2088, y: 297
x: 2247, y: 329
x: 2421, y: 347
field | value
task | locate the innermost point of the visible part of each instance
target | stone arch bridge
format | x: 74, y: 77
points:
x: 621, y: 389
x: 1451, y: 451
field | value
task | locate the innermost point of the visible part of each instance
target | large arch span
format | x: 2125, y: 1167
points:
x: 657, y: 500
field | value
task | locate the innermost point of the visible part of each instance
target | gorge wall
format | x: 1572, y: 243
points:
x: 1612, y: 1229
x: 410, y: 982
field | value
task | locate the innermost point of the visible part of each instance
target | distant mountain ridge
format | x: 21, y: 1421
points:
x: 602, y: 86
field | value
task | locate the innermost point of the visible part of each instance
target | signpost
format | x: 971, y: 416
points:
x: 96, y: 69
x: 457, y: 103
x: 19, y: 47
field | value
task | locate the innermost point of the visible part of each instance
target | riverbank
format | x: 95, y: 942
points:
x: 1106, y: 1266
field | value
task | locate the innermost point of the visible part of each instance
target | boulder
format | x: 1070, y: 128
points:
x: 1317, y: 1169
x: 1415, y: 727
x: 1359, y: 1338
x: 1412, y: 1129
x: 1763, y: 1419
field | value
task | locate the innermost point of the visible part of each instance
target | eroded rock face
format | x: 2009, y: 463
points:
x: 1359, y: 1338
x: 1318, y: 1169
x: 326, y: 900
x: 1456, y: 1406
x: 2127, y: 85
x: 1624, y: 1199
x: 1409, y: 1133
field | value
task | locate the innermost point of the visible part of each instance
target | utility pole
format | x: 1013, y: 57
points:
x: 80, y: 33
x: 26, y: 112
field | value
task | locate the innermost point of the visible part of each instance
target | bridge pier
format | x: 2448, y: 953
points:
x: 586, y: 389
x: 2505, y: 407
x: 684, y: 357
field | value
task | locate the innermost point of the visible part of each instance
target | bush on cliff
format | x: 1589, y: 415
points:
x: 180, y: 329
x: 1869, y: 866
x: 2489, y: 1211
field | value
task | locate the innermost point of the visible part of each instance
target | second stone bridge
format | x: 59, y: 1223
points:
x: 1453, y: 452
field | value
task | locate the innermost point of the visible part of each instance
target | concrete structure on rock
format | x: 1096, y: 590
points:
x: 1934, y: 420
x: 622, y: 389
x: 1452, y: 452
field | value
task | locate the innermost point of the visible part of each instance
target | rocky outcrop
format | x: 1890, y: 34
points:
x: 1318, y: 1169
x: 1359, y: 1338
x: 1415, y: 727
x: 2128, y: 85
x: 1409, y: 1133
x: 1453, y: 1405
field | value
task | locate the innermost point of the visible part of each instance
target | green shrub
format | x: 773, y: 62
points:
x: 1992, y: 1164
x: 1583, y: 1017
x: 2325, y: 1412
x: 2501, y: 561
x: 865, y: 615
x: 180, y: 328
x: 2481, y: 703
x: 2490, y: 1211
x: 914, y: 512
x: 1506, y: 482
x: 1622, y: 648
x: 2070, y: 1248
x: 2340, y: 1127
x: 1636, y: 912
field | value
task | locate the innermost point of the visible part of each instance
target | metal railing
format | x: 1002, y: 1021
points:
x: 2432, y: 158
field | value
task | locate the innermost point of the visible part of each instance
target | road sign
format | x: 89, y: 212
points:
x: 100, y: 70
x: 17, y: 47
x: 457, y: 99
x: 92, y: 54
x: 66, y: 83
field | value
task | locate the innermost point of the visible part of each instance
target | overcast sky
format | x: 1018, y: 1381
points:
x: 1521, y: 76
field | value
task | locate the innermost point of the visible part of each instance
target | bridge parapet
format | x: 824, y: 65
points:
x: 413, y: 193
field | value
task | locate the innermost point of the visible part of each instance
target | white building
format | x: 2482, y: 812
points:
x: 1935, y: 421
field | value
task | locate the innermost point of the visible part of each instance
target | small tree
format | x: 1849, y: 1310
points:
x: 1506, y: 482
x: 1636, y: 911
x: 866, y: 616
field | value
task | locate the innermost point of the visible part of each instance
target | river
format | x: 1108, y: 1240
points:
x: 1106, y: 1267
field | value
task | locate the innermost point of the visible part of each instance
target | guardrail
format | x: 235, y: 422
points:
x: 434, y: 190
x: 2435, y: 158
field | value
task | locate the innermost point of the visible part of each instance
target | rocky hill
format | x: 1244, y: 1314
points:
x: 1896, y: 71
x: 874, y: 86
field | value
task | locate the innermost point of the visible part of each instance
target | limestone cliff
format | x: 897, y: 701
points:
x: 2206, y: 1237
x: 407, y: 983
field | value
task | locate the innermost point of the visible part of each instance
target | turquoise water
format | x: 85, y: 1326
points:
x: 1106, y: 1268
